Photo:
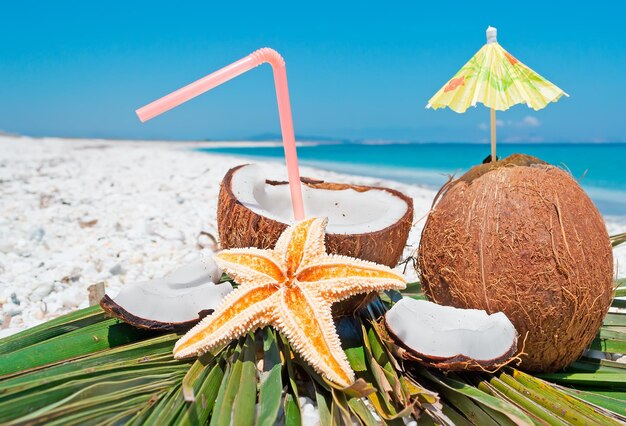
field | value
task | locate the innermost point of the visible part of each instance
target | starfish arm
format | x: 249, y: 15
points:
x: 250, y: 266
x: 339, y: 277
x: 240, y: 312
x: 302, y: 242
x: 307, y: 323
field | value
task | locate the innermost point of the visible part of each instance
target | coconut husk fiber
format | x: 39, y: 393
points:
x: 521, y: 236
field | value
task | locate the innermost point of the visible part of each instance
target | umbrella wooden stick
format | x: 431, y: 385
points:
x: 493, y: 134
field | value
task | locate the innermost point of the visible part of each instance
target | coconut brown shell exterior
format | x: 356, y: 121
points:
x: 239, y: 227
x: 522, y: 237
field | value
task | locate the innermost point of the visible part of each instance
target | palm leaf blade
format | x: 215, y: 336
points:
x: 271, y: 383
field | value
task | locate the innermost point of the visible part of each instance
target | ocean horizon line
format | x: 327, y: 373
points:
x: 318, y: 140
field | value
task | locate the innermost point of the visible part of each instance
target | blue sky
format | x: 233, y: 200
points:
x: 356, y: 69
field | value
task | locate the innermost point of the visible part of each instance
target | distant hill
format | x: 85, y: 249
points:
x: 278, y: 137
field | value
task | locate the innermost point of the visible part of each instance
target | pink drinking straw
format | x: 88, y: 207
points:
x: 231, y: 71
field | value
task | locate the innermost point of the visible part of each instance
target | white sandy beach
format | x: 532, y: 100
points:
x: 74, y: 212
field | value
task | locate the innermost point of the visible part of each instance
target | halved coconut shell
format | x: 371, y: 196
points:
x: 175, y: 302
x: 370, y: 223
x: 450, y: 338
x: 365, y: 222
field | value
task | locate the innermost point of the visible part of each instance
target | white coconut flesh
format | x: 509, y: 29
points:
x: 348, y: 211
x: 441, y: 332
x: 179, y: 296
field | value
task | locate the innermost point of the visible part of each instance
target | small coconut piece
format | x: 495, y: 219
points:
x: 175, y: 302
x: 521, y: 236
x: 449, y: 338
x: 369, y: 223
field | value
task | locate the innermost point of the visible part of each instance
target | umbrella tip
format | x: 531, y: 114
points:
x: 492, y: 34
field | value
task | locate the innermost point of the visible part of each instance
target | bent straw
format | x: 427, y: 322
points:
x: 261, y: 56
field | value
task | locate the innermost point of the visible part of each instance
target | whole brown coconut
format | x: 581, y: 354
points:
x: 522, y: 237
x: 239, y: 226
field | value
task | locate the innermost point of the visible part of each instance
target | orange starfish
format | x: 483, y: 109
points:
x: 291, y: 288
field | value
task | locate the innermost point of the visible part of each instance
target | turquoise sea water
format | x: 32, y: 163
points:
x: 600, y: 168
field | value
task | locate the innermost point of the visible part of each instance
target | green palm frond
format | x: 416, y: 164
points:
x: 618, y: 239
x: 86, y: 368
x: 139, y: 382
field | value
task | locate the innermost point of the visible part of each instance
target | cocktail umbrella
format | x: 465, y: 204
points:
x: 498, y: 80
